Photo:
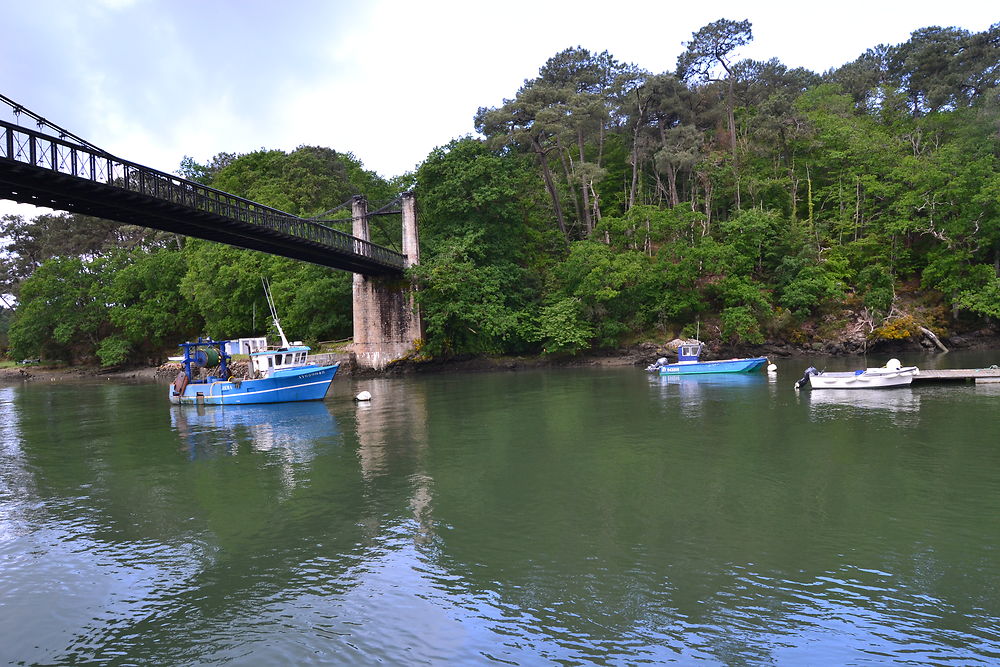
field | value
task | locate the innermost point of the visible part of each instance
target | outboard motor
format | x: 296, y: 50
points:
x: 805, y: 378
x: 652, y: 368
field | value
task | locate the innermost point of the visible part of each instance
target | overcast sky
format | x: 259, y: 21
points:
x: 154, y: 80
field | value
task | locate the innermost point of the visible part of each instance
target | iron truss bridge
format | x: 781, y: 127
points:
x: 49, y: 171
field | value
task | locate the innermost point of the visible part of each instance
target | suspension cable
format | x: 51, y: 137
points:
x: 319, y: 218
x: 42, y: 122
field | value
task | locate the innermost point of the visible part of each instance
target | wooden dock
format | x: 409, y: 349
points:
x: 977, y: 375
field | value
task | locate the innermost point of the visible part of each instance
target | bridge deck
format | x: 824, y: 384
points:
x: 48, y: 171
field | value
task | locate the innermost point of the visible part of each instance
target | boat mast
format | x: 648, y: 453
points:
x: 274, y: 312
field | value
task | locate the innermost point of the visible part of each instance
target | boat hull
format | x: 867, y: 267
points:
x: 872, y: 378
x: 308, y: 383
x: 721, y: 366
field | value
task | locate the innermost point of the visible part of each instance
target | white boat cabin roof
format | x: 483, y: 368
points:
x: 297, y: 347
x: 285, y: 357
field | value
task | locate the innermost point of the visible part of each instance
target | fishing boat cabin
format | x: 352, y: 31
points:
x: 269, y: 362
x: 688, y: 353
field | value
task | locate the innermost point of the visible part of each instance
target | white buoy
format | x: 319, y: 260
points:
x: 363, y: 396
x: 771, y: 368
x: 893, y: 364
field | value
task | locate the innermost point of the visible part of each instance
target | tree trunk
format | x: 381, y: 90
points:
x: 934, y: 339
x: 568, y: 173
x: 596, y: 198
x: 661, y: 191
x: 588, y: 221
x: 793, y: 194
x: 731, y: 117
x: 672, y: 185
x: 635, y: 156
x: 549, y: 184
x: 706, y: 183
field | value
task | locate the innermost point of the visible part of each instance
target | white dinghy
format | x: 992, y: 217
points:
x: 893, y: 374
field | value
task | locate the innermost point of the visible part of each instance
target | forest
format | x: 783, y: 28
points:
x: 599, y: 206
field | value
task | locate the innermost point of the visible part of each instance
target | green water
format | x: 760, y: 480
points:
x: 560, y: 517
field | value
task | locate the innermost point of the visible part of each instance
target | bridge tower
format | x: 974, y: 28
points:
x: 387, y: 321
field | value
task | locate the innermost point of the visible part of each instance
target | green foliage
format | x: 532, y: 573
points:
x: 875, y: 285
x: 645, y: 228
x: 710, y: 47
x: 305, y: 182
x: 466, y: 304
x: 736, y: 290
x: 5, y: 315
x: 224, y: 289
x: 562, y: 119
x: 809, y: 286
x: 755, y: 236
x: 561, y: 329
x: 204, y: 174
x: 58, y: 316
x: 28, y: 243
x: 463, y: 189
x: 147, y: 307
x: 314, y: 302
x: 113, y: 351
x: 604, y: 203
x: 740, y: 325
x: 984, y: 299
x: 223, y: 284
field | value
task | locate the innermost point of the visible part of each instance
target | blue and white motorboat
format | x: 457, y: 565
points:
x: 277, y: 375
x: 689, y: 363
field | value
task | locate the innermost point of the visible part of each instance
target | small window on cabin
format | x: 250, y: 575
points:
x: 301, y: 357
x: 270, y: 362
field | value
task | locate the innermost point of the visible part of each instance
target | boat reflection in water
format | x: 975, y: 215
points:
x: 696, y: 383
x: 829, y: 404
x: 697, y: 391
x: 292, y: 430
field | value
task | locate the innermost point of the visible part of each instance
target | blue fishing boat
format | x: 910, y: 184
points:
x: 689, y: 363
x: 275, y: 375
x: 279, y: 376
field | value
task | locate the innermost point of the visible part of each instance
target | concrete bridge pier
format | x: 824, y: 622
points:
x: 387, y: 322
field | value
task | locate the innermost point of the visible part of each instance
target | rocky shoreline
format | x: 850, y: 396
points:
x: 640, y: 354
x: 644, y: 353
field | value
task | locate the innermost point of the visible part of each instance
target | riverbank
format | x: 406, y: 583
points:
x: 43, y: 373
x: 639, y: 354
x: 643, y: 353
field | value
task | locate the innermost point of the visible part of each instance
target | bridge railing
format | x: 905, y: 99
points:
x: 43, y: 151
